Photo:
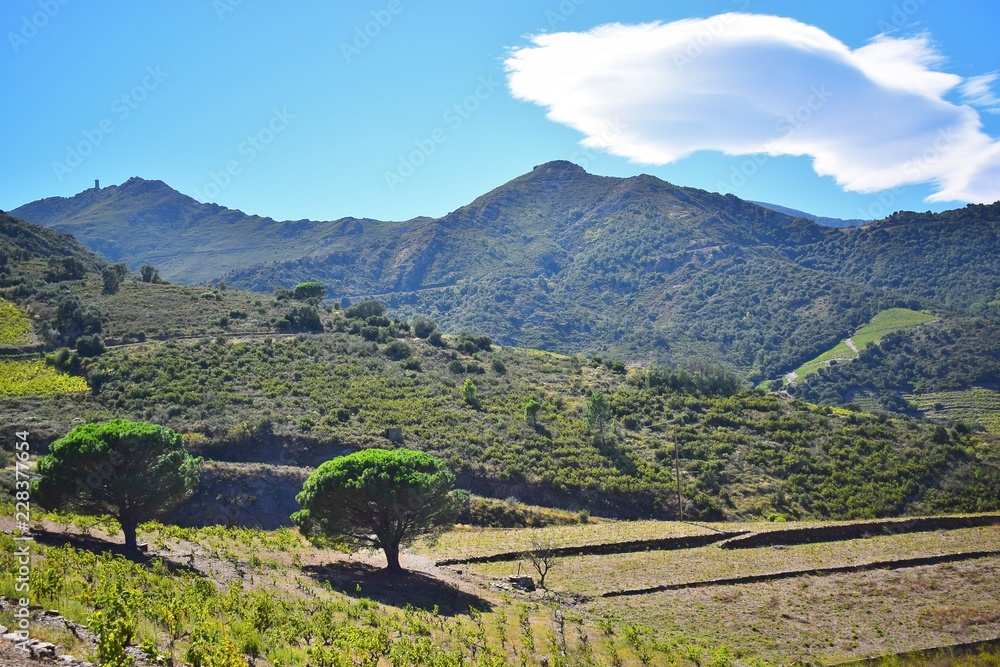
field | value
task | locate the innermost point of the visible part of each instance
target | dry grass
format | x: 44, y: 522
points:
x: 593, y: 575
x: 829, y: 619
x: 464, y: 542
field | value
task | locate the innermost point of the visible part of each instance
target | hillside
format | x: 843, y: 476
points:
x: 886, y: 322
x: 146, y: 222
x: 952, y: 355
x: 637, y: 268
x: 267, y: 387
x: 22, y: 241
x: 277, y: 381
x: 559, y: 259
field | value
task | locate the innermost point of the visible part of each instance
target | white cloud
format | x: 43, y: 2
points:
x: 873, y: 118
x: 978, y: 91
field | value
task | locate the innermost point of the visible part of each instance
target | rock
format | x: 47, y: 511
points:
x: 522, y: 581
x: 11, y: 637
x: 43, y: 649
x: 51, y: 612
x: 3, y: 629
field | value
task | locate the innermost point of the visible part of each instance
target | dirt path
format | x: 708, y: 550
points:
x: 850, y: 344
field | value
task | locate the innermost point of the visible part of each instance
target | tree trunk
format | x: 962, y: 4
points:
x: 131, y: 543
x: 392, y: 557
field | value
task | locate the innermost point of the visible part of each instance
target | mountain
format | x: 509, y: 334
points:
x: 22, y: 240
x: 633, y: 268
x: 147, y: 222
x: 826, y: 222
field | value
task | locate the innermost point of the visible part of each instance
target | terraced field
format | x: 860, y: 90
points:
x: 817, y: 616
x: 978, y: 405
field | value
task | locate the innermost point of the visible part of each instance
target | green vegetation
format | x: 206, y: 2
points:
x: 35, y: 378
x: 131, y: 471
x: 377, y: 499
x: 745, y: 454
x: 886, y: 322
x: 978, y: 405
x: 15, y: 325
x: 949, y: 355
x: 839, y: 353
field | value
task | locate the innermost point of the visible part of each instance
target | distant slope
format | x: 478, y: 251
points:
x: 826, y: 222
x: 886, y: 322
x: 952, y: 258
x: 147, y: 222
x: 949, y: 355
x: 636, y: 268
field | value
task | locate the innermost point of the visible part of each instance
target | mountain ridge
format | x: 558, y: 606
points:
x: 636, y: 268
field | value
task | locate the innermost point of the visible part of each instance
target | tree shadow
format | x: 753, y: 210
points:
x: 98, y: 546
x: 396, y: 589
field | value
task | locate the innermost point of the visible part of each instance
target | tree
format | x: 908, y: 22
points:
x: 598, y: 414
x: 304, y: 318
x: 542, y: 557
x: 376, y: 498
x: 531, y: 412
x: 310, y: 290
x: 150, y: 274
x: 113, y: 276
x: 364, y: 310
x: 65, y: 268
x: 423, y: 326
x: 132, y: 471
x: 469, y: 393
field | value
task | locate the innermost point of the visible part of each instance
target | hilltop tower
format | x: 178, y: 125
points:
x: 97, y: 184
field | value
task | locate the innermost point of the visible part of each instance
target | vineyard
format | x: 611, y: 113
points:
x: 35, y: 378
x: 976, y: 405
x: 229, y: 596
x: 886, y: 322
x: 221, y: 597
x: 15, y: 325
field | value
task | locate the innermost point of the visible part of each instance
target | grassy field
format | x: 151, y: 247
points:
x: 976, y: 405
x: 35, y: 378
x: 466, y: 541
x: 257, y: 594
x: 15, y: 325
x: 813, y: 619
x: 893, y: 319
x: 594, y: 575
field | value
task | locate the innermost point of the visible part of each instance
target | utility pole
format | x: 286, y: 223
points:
x: 677, y: 468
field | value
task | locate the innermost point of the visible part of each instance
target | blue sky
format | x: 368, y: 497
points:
x: 291, y: 110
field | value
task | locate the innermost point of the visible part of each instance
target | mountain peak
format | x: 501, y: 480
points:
x: 559, y: 169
